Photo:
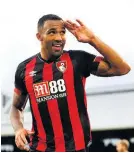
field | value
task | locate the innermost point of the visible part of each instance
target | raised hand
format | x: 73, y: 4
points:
x: 80, y: 31
x: 20, y: 139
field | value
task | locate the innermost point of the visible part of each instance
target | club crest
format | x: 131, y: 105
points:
x: 61, y: 66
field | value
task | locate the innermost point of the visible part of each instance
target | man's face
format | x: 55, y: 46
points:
x: 52, y: 37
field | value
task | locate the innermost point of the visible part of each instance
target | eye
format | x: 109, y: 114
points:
x: 51, y: 32
x: 63, y: 32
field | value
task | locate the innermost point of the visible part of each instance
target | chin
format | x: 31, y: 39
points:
x: 57, y: 53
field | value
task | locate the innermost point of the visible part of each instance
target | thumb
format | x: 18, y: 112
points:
x: 30, y: 132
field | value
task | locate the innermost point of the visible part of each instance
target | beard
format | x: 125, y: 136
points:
x: 54, y: 55
x: 57, y: 52
x: 52, y: 51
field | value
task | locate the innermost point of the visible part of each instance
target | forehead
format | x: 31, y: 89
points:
x: 53, y: 24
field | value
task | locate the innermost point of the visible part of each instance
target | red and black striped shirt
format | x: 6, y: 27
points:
x: 57, y: 99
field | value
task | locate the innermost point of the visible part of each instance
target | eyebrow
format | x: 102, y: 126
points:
x: 63, y: 28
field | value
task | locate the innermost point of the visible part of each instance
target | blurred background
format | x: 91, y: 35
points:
x: 110, y: 100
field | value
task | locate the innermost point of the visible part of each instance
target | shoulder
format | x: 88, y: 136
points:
x: 81, y: 55
x: 26, y: 61
x: 76, y: 54
x: 21, y: 66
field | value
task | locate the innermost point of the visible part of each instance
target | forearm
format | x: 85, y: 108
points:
x: 109, y: 54
x: 16, y: 117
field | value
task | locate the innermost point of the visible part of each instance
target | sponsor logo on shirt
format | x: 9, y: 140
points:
x: 48, y: 90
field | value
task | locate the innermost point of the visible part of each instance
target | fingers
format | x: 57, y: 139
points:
x: 20, y: 143
x: 81, y: 23
x: 27, y: 147
x: 23, y: 138
x: 30, y: 132
x: 19, y: 146
x: 20, y: 139
x: 70, y: 25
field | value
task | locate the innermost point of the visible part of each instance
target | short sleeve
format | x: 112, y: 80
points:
x: 19, y: 80
x: 87, y: 62
x: 90, y: 63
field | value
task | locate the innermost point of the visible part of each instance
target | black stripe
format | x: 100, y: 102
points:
x: 34, y: 124
x: 43, y: 109
x: 79, y: 92
x: 64, y: 114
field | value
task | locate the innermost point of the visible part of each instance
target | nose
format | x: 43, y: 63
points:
x: 58, y: 37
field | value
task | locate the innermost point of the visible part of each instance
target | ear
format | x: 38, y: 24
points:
x: 39, y: 37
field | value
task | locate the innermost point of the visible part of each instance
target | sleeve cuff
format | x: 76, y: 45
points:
x: 17, y: 91
x: 98, y: 58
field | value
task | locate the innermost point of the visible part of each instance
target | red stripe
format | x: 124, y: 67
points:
x: 54, y: 112
x: 29, y: 84
x: 98, y: 58
x: 72, y: 104
x: 17, y: 91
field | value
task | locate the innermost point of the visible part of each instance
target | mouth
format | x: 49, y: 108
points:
x: 57, y: 46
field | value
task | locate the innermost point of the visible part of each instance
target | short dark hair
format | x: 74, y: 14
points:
x: 47, y: 17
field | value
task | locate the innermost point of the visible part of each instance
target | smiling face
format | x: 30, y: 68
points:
x: 52, y: 37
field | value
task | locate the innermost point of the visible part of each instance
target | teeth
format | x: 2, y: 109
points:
x: 57, y: 45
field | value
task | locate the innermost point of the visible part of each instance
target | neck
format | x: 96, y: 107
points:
x: 46, y: 57
x: 44, y: 54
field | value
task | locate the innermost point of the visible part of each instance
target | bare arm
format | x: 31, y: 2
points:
x: 16, y: 117
x: 16, y: 114
x: 113, y: 64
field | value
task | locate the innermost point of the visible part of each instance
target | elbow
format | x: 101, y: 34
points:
x: 125, y: 70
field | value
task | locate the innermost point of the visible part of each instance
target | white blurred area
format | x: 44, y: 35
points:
x: 111, y: 20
